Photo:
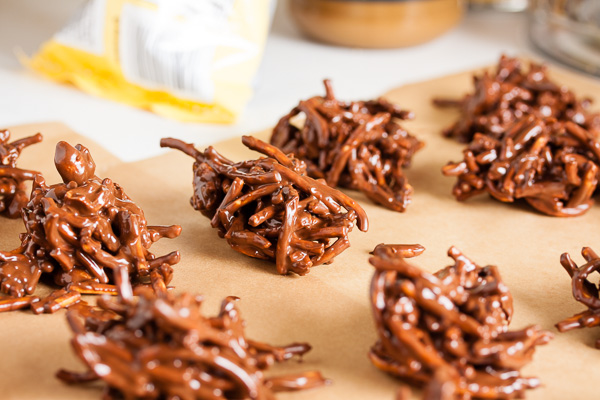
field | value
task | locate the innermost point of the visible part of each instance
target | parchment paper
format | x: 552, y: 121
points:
x: 329, y: 308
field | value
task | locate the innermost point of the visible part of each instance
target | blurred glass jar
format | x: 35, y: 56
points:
x: 569, y: 31
x: 375, y: 24
x: 501, y: 5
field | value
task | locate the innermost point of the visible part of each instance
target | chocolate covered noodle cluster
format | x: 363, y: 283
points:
x: 448, y: 331
x: 357, y: 145
x: 161, y: 346
x: 552, y: 165
x: 85, y: 234
x: 584, y: 291
x: 13, y: 188
x: 269, y: 209
x: 503, y: 97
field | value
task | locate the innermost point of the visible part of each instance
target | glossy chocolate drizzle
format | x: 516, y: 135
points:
x: 510, y: 93
x: 552, y: 165
x: 448, y: 332
x: 269, y: 209
x: 13, y: 180
x: 86, y: 234
x: 161, y: 346
x: 358, y: 145
x: 584, y: 291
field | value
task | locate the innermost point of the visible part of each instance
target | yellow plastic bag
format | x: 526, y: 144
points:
x: 192, y: 60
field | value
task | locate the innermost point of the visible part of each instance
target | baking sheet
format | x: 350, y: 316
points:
x: 329, y: 308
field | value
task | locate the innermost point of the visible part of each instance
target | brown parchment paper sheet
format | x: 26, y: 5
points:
x: 329, y: 308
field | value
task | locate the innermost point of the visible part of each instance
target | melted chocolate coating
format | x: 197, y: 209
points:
x: 584, y: 291
x: 502, y: 98
x: 269, y: 209
x: 448, y: 331
x: 13, y: 187
x: 161, y: 346
x: 85, y: 233
x: 552, y: 165
x: 358, y: 145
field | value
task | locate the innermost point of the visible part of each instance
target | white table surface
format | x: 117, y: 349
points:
x: 292, y: 69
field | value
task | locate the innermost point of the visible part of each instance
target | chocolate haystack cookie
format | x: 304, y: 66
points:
x: 13, y: 187
x: 448, y: 331
x: 554, y: 166
x: 269, y: 209
x: 357, y: 145
x: 85, y: 234
x: 161, y: 346
x: 584, y: 291
x: 503, y: 97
